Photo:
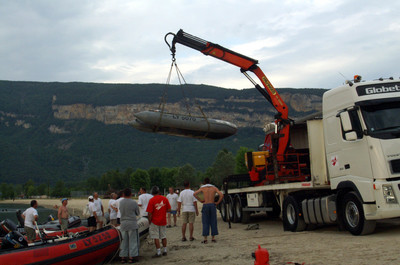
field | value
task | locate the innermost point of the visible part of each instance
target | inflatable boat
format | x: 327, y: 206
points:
x: 87, y: 248
x: 84, y: 248
x: 183, y: 125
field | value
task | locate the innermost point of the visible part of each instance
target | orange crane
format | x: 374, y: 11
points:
x: 282, y: 121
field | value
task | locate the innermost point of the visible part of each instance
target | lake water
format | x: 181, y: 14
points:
x: 8, y: 211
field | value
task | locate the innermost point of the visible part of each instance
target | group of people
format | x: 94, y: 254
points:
x: 160, y: 210
x: 31, y: 216
x: 124, y: 212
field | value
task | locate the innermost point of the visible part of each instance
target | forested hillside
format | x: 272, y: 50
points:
x: 45, y: 136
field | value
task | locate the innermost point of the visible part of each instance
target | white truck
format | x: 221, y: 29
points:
x: 340, y: 166
x: 352, y: 164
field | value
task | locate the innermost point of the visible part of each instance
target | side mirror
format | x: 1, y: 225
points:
x: 350, y: 136
x: 346, y: 122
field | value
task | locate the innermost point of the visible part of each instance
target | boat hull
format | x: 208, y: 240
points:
x: 183, y: 125
x: 93, y: 248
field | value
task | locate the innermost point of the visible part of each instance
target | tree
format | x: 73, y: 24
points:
x: 140, y: 178
x: 41, y: 189
x: 92, y: 184
x: 60, y: 190
x: 7, y: 191
x: 167, y: 176
x: 240, y: 163
x: 186, y: 172
x: 27, y: 186
x: 222, y: 167
x: 155, y: 177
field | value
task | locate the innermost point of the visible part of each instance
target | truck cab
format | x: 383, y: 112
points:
x: 361, y: 123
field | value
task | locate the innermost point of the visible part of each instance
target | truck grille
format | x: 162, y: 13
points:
x: 395, y: 166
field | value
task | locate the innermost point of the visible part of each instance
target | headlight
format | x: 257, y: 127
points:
x: 388, y: 194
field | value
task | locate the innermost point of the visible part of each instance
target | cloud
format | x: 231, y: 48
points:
x: 298, y: 43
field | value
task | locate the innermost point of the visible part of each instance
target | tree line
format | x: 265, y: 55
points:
x: 225, y: 164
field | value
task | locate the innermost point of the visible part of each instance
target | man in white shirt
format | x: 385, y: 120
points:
x: 112, y: 209
x: 188, y: 203
x: 121, y: 197
x: 143, y: 201
x: 99, y: 210
x: 92, y: 220
x: 173, y: 201
x: 31, y: 216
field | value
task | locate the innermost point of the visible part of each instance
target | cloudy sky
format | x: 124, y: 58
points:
x: 298, y: 43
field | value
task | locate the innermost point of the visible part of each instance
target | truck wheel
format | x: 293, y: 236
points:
x: 292, y: 216
x: 238, y: 209
x: 353, y: 216
x: 222, y: 210
x: 230, y: 208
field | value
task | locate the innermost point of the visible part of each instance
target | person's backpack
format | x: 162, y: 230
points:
x: 86, y: 212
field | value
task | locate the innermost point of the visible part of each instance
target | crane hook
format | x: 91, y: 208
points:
x: 172, y: 46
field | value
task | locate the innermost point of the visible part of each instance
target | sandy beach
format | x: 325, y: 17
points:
x: 324, y: 245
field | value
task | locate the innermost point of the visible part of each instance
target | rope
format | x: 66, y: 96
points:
x: 182, y: 83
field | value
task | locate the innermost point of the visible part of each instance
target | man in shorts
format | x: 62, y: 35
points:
x: 31, y: 216
x: 92, y: 220
x: 99, y: 210
x: 157, y: 213
x: 112, y: 209
x: 188, y: 203
x: 63, y: 216
x: 173, y: 201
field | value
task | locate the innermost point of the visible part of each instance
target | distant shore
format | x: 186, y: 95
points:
x: 75, y: 206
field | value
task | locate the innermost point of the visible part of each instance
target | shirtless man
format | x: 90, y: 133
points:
x: 63, y: 216
x: 209, y: 211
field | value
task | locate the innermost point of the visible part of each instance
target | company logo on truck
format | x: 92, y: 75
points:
x: 378, y: 89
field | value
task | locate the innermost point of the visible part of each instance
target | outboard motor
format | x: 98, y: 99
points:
x: 7, y: 226
x: 14, y: 239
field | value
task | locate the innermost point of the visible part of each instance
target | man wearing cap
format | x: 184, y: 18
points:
x: 92, y: 220
x: 63, y: 216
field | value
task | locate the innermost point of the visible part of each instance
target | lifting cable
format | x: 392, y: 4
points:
x: 182, y: 83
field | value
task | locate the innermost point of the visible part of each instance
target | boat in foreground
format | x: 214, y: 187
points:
x: 84, y: 248
x: 89, y: 248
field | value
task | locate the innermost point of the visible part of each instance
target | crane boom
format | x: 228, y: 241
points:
x: 245, y: 64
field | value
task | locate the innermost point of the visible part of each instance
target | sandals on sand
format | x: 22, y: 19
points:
x: 214, y: 241
x: 184, y: 239
x: 204, y: 242
x: 191, y: 239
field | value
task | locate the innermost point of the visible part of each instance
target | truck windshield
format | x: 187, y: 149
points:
x: 382, y: 120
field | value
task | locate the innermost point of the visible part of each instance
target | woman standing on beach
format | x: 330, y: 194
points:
x: 129, y: 229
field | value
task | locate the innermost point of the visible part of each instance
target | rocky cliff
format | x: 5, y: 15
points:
x: 243, y: 112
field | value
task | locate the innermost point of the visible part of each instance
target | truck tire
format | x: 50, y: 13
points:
x: 230, y: 208
x: 353, y: 216
x: 222, y: 209
x: 292, y: 215
x: 237, y: 218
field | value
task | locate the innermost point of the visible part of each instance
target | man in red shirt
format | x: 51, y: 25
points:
x: 157, y: 208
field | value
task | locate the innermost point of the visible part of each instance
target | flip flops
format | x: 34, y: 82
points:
x: 204, y: 242
x: 184, y: 239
